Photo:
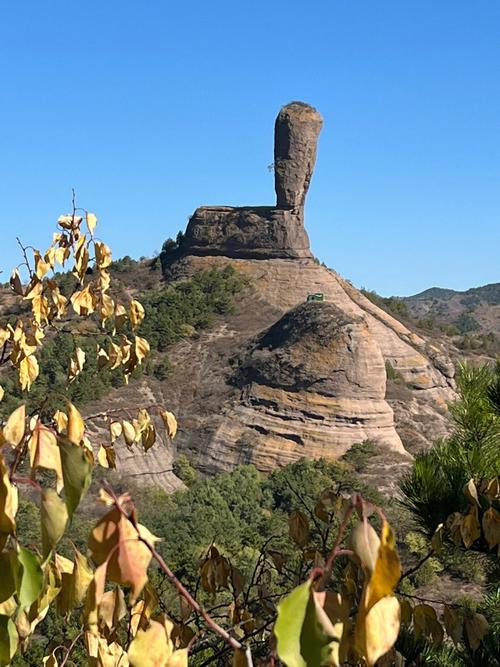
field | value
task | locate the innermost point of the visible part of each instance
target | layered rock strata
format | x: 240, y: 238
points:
x: 311, y: 385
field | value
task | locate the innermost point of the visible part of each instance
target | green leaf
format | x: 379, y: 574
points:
x: 7, y: 578
x: 54, y: 517
x: 77, y: 472
x: 8, y: 640
x: 30, y: 578
x: 301, y: 640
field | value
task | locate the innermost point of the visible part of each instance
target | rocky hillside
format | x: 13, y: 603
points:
x: 279, y: 379
x: 476, y: 310
x: 274, y: 378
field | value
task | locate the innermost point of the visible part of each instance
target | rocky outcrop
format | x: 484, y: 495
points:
x: 264, y: 232
x: 419, y: 398
x: 296, y: 134
x: 311, y: 385
x: 282, y: 379
x: 246, y: 232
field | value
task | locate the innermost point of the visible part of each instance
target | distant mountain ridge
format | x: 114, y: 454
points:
x: 489, y: 293
x: 476, y: 310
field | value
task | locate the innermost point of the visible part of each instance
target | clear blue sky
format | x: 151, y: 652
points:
x: 150, y: 109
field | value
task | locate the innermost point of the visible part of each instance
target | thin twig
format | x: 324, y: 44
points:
x: 412, y: 570
x: 71, y: 647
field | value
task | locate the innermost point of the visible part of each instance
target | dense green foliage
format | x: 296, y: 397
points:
x: 179, y: 310
x: 238, y: 511
x: 392, y: 304
x: 172, y: 312
x: 434, y: 488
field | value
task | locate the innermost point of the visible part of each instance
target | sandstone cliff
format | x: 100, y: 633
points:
x: 324, y: 387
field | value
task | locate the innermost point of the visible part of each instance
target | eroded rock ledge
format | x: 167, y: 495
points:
x: 261, y: 232
x: 265, y: 232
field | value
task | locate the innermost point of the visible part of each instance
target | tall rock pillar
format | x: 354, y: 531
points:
x: 295, y: 138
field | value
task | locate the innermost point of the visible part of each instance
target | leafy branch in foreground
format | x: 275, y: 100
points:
x: 332, y: 599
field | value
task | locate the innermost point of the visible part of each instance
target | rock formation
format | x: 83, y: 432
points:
x: 266, y: 232
x: 279, y: 379
x: 296, y: 134
x: 282, y: 379
x: 311, y: 385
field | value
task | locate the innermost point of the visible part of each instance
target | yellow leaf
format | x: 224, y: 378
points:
x: 365, y: 543
x: 493, y: 489
x: 66, y: 221
x: 75, y: 583
x: 104, y: 280
x: 41, y: 267
x: 115, y: 539
x: 8, y: 501
x: 54, y: 516
x: 148, y: 437
x: 470, y: 492
x: 377, y: 631
x: 426, y: 624
x: 151, y: 647
x: 13, y: 431
x: 142, y: 610
x: 112, y: 608
x: 454, y: 525
x: 129, y: 433
x: 76, y: 426
x: 387, y: 569
x: 141, y: 347
x: 2, y: 393
x: 178, y: 658
x: 106, y: 308
x: 136, y: 313
x: 120, y: 316
x: 491, y: 527
x: 76, y: 364
x: 115, y: 430
x: 41, y: 308
x: 50, y: 660
x: 102, y: 255
x: 106, y: 457
x: 298, y: 527
x: 62, y: 254
x: 15, y: 283
x: 91, y: 221
x: 111, y: 655
x: 50, y: 256
x: 28, y: 372
x: 60, y: 420
x: 59, y: 301
x: 33, y: 289
x: 44, y: 452
x: 81, y: 259
x: 114, y: 355
x: 470, y: 529
x: 476, y: 627
x: 83, y: 302
x: 170, y: 423
x: 453, y: 622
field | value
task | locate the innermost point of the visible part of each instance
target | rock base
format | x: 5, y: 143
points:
x: 262, y: 232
